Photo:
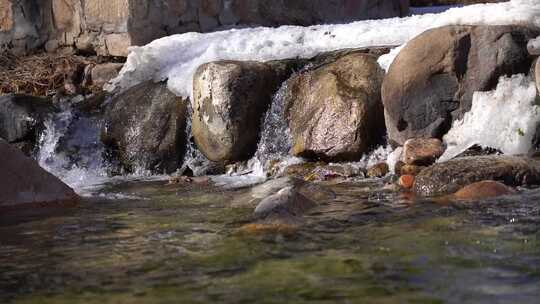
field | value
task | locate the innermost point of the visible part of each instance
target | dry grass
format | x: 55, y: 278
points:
x: 39, y: 75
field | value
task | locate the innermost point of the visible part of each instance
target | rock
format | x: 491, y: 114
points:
x: 406, y: 181
x: 398, y: 166
x: 422, y: 151
x: 411, y: 170
x: 21, y: 118
x: 145, y: 129
x: 303, y: 170
x: 537, y: 75
x: 483, y: 190
x: 378, y: 170
x: 334, y: 111
x: 102, y: 73
x: 449, y: 177
x: 287, y: 202
x: 330, y: 172
x: 25, y: 183
x: 533, y: 46
x: 432, y: 80
x: 230, y: 99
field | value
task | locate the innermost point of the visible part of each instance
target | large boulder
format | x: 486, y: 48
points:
x: 449, y: 177
x: 145, y: 129
x: 21, y: 119
x: 334, y: 110
x: 432, y: 80
x: 24, y: 182
x: 230, y: 99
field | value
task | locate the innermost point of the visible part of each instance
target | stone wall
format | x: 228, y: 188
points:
x: 108, y: 27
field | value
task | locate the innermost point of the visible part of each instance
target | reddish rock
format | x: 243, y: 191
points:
x: 482, y: 190
x: 406, y: 181
x: 422, y: 151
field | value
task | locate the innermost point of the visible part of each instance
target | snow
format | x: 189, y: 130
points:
x: 175, y: 58
x: 504, y: 119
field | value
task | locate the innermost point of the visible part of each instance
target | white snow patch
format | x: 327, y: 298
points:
x: 385, y: 61
x: 176, y: 58
x: 504, y: 119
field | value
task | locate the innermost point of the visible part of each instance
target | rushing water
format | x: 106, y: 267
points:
x: 186, y: 244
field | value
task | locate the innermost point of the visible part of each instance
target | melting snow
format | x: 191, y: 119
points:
x: 177, y: 57
x: 504, y: 119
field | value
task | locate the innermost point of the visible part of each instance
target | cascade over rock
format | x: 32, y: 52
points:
x: 230, y: 99
x: 145, y: 127
x: 24, y: 182
x: 334, y: 110
x: 431, y: 82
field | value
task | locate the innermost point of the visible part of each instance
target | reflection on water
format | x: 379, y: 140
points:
x: 183, y: 244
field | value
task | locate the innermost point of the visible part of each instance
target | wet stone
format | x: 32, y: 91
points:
x: 483, y: 190
x: 422, y: 151
x: 448, y: 177
x: 378, y: 170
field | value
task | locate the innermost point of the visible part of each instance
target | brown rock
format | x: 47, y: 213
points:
x: 406, y: 181
x: 432, y: 80
x: 117, y: 44
x: 6, y: 16
x: 398, y: 166
x: 411, y: 170
x: 25, y: 183
x: 378, y: 170
x: 448, y: 177
x: 334, y: 110
x: 102, y: 73
x: 422, y: 151
x: 483, y: 190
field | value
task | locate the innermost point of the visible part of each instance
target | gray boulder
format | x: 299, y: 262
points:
x: 230, y: 99
x: 25, y: 183
x: 432, y: 80
x: 449, y: 177
x: 145, y: 129
x: 334, y: 110
x: 21, y: 119
x: 287, y: 202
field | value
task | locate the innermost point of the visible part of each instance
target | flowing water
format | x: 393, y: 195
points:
x: 157, y: 243
x: 142, y: 240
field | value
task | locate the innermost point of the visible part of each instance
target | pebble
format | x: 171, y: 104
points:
x: 422, y: 151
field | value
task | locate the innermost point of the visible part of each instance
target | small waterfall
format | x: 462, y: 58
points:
x: 194, y: 160
x: 70, y: 148
x: 273, y: 150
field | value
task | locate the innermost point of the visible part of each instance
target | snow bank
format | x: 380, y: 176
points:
x: 504, y: 119
x: 177, y: 57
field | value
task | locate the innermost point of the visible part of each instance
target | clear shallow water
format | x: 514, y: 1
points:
x: 186, y: 244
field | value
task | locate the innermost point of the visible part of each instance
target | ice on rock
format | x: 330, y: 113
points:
x: 504, y: 119
x: 176, y: 58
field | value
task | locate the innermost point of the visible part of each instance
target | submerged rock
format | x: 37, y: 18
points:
x: 145, y: 127
x: 230, y: 99
x: 25, y: 183
x: 21, y: 118
x: 483, y: 190
x: 422, y: 151
x: 432, y: 80
x: 449, y: 177
x: 334, y: 110
x: 287, y: 202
